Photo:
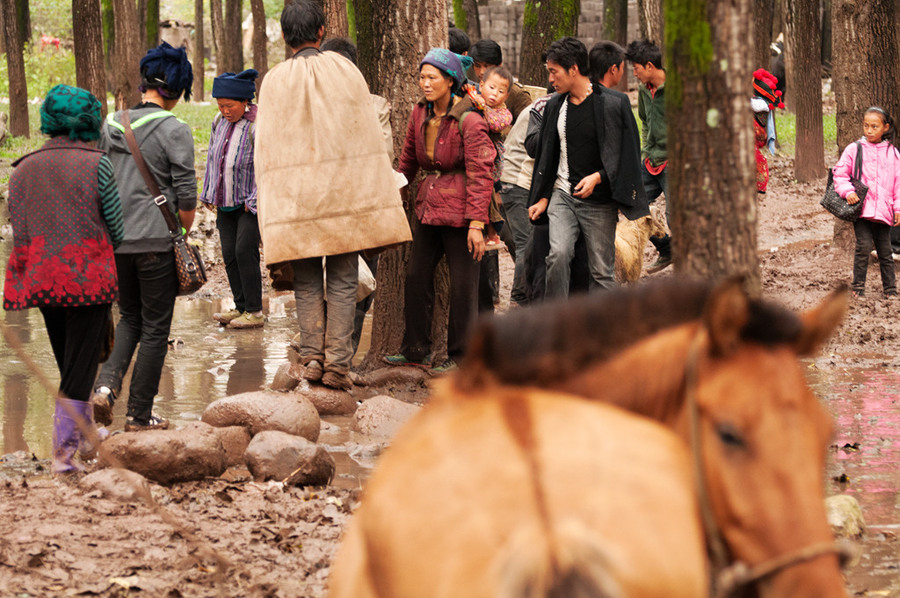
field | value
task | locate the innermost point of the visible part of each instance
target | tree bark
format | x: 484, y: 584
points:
x: 336, y: 24
x: 712, y: 177
x: 803, y: 54
x: 865, y: 74
x: 763, y: 20
x: 15, y: 67
x: 826, y: 35
x: 615, y: 28
x: 234, y: 42
x: 650, y: 20
x: 199, y: 66
x: 218, y: 31
x: 141, y: 13
x: 109, y: 36
x: 392, y: 37
x: 87, y: 30
x: 151, y: 31
x: 465, y: 17
x: 126, y: 67
x: 544, y: 21
x: 23, y: 14
x: 260, y: 41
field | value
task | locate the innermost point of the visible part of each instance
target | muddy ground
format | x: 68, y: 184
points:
x: 235, y: 537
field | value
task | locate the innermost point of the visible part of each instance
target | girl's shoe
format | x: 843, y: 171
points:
x: 102, y: 401
x: 154, y: 423
x: 226, y: 317
x: 400, y: 359
x: 248, y: 320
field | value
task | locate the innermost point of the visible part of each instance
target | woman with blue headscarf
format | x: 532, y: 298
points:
x: 453, y: 148
x: 66, y: 220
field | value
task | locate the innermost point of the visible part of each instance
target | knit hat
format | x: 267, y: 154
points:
x: 448, y: 63
x: 168, y: 70
x: 71, y: 111
x: 764, y: 84
x: 235, y: 87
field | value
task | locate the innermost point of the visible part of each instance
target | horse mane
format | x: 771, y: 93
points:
x: 556, y: 339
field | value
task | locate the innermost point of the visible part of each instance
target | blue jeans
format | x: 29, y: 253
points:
x: 597, y: 222
x: 327, y: 338
x: 515, y: 208
x: 655, y: 185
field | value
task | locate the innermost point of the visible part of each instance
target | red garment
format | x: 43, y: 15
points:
x: 458, y: 186
x: 762, y: 165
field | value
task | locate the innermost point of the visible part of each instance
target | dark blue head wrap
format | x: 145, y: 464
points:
x: 235, y: 87
x: 167, y: 69
x: 448, y: 63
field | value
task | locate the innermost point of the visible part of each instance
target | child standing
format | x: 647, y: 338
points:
x: 881, y: 205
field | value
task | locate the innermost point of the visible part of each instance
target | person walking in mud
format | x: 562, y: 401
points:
x: 66, y: 219
x: 148, y: 283
x: 311, y: 206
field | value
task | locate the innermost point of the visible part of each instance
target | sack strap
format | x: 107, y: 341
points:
x: 158, y: 198
x: 857, y: 169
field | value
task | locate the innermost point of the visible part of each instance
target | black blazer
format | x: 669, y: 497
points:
x: 620, y: 150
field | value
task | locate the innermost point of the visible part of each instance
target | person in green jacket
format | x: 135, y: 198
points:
x: 647, y: 60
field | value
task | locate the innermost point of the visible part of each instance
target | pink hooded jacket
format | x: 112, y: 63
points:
x: 880, y: 171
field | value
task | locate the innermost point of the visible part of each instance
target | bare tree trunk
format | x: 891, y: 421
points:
x: 141, y: 13
x: 23, y: 13
x: 803, y: 54
x: 260, y: 42
x: 866, y: 71
x: 336, y: 24
x: 126, y: 67
x: 650, y: 20
x: 199, y: 66
x: 392, y: 37
x: 826, y: 34
x: 763, y: 19
x: 711, y: 160
x: 615, y: 28
x: 87, y: 29
x: 234, y: 46
x: 544, y: 22
x: 151, y: 30
x: 109, y: 36
x: 465, y: 17
x: 287, y: 49
x: 218, y: 31
x: 15, y: 68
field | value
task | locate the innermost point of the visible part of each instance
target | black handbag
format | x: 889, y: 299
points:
x: 836, y: 204
x: 188, y: 263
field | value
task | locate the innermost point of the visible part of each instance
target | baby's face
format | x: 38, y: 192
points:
x: 494, y: 90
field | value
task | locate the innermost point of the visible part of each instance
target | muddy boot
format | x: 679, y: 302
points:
x: 67, y: 434
x: 91, y: 437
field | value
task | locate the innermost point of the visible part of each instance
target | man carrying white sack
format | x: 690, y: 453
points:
x: 326, y: 187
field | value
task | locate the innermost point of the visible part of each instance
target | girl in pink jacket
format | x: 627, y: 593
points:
x: 881, y: 206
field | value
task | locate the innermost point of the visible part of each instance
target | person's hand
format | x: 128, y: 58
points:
x: 476, y: 243
x: 585, y: 186
x: 896, y: 218
x: 537, y: 210
x: 852, y: 198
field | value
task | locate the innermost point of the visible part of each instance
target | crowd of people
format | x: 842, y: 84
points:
x: 308, y: 173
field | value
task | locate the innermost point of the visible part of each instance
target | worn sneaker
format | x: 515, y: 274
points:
x: 102, y: 401
x: 313, y: 371
x: 336, y: 380
x: 661, y: 263
x: 447, y: 366
x: 226, y: 317
x: 154, y: 423
x: 400, y: 359
x: 248, y: 320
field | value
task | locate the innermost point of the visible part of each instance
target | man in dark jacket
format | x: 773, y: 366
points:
x: 587, y: 168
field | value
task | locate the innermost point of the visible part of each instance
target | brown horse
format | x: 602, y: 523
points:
x: 511, y: 492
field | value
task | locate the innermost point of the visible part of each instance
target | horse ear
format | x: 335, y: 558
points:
x: 820, y: 322
x: 727, y: 312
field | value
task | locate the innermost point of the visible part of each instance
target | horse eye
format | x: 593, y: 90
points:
x: 730, y: 436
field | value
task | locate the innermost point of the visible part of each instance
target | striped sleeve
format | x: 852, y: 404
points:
x: 110, y: 206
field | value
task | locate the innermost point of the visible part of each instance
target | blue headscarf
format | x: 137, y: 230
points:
x: 235, y: 87
x: 448, y: 63
x: 167, y: 69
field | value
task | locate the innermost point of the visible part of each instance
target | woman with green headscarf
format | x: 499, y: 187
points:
x: 66, y: 220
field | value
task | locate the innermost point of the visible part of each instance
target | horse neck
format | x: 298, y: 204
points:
x: 647, y: 378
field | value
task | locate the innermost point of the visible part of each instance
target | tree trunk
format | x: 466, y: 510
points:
x: 234, y: 42
x: 151, y: 30
x: 465, y: 17
x: 712, y: 176
x: 15, y: 68
x: 615, y: 28
x: 141, y: 12
x: 109, y: 35
x: 763, y: 19
x: 126, y: 68
x: 866, y: 71
x: 826, y: 35
x: 23, y: 13
x: 544, y: 22
x: 392, y: 37
x: 87, y: 30
x: 336, y: 24
x: 650, y: 20
x: 218, y: 31
x: 287, y: 49
x: 260, y: 42
x: 199, y: 66
x: 803, y: 54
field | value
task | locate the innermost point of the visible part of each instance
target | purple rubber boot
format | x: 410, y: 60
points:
x: 67, y: 434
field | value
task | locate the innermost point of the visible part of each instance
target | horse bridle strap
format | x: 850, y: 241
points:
x: 728, y: 578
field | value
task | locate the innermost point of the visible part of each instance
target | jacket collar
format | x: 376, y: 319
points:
x: 459, y: 108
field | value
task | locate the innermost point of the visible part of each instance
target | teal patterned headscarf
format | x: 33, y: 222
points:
x: 448, y: 63
x: 71, y: 111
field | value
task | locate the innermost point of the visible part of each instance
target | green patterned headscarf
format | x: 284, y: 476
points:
x: 71, y: 111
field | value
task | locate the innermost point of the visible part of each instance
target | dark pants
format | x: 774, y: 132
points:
x: 536, y: 253
x: 430, y: 243
x: 895, y: 239
x: 76, y: 335
x: 147, y: 289
x: 488, y: 282
x: 239, y: 234
x: 655, y: 185
x: 869, y: 233
x: 515, y: 213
